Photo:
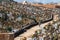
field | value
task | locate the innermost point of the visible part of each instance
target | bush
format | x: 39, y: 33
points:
x: 9, y: 29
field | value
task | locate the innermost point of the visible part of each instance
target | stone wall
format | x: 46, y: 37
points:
x: 45, y: 5
x: 6, y: 36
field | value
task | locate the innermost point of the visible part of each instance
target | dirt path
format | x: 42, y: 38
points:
x: 31, y: 31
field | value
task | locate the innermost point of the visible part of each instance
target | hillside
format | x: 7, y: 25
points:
x: 17, y: 15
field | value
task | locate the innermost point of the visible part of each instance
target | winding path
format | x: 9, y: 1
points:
x: 30, y: 31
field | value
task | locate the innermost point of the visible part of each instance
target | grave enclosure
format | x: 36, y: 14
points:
x: 6, y: 36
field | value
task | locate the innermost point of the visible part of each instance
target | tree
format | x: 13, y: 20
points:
x: 9, y: 29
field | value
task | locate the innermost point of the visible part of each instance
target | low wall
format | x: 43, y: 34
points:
x: 6, y: 36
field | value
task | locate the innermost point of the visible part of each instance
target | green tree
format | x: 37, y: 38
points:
x: 9, y: 29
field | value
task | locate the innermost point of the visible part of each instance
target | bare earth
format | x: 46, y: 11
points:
x: 30, y: 31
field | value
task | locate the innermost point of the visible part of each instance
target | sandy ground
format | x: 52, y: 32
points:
x: 30, y: 31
